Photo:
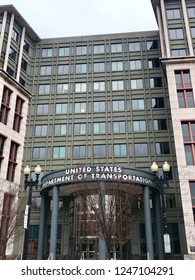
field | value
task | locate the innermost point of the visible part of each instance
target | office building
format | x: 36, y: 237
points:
x: 95, y: 112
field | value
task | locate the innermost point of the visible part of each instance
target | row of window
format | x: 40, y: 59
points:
x: 99, y: 67
x: 116, y: 85
x: 5, y: 109
x: 101, y: 48
x: 140, y: 149
x: 99, y: 127
x: 178, y: 33
x: 98, y: 106
x: 176, y: 13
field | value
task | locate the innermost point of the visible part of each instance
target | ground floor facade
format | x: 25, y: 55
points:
x: 104, y: 212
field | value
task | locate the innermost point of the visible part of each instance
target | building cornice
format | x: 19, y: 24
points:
x: 20, y: 21
x: 13, y: 82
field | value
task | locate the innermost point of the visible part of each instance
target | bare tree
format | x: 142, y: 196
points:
x: 113, y: 209
x: 12, y: 217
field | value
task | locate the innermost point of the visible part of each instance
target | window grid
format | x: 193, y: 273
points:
x: 5, y: 105
x: 18, y: 114
x: 188, y: 130
x: 184, y: 89
x: 12, y: 161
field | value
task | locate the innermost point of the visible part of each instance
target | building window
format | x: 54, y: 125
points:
x: 79, y: 128
x: 47, y: 52
x: 99, y: 106
x: 153, y: 63
x: 18, y: 114
x: 24, y: 65
x: 119, y: 127
x: 79, y: 151
x: 191, y: 12
x: 99, y: 67
x: 61, y: 108
x: 176, y: 33
x: 62, y: 88
x: 116, y: 48
x: 15, y: 35
x: 63, y: 69
x: 184, y: 89
x: 81, y: 68
x: 193, y: 32
x: 26, y: 47
x: 99, y: 150
x: 38, y: 153
x: 45, y: 70
x: 59, y: 152
x: 22, y: 82
x: 162, y: 148
x: 10, y: 71
x: 98, y: 49
x: 5, y: 105
x: 99, y: 86
x: 117, y: 85
x: 12, y: 54
x: 42, y: 109
x: 64, y: 51
x: 2, y: 143
x: 80, y: 107
x: 12, y: 161
x: 188, y: 130
x: 44, y: 89
x: 99, y: 128
x: 135, y: 64
x: 134, y: 46
x: 139, y: 126
x: 60, y: 129
x: 137, y: 84
x: 173, y: 14
x: 141, y: 149
x: 152, y: 45
x: 155, y: 82
x: 158, y: 102
x: 118, y: 105
x: 41, y: 130
x: 120, y: 150
x: 80, y: 87
x: 138, y: 104
x: 192, y: 191
x: 81, y: 50
x: 117, y: 66
x: 179, y: 52
x: 160, y: 124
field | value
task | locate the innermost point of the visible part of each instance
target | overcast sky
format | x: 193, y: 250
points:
x: 61, y: 18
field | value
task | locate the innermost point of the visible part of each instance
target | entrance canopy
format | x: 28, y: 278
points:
x: 74, y: 175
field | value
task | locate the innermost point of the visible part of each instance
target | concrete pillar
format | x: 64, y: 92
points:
x: 40, y: 250
x: 165, y: 27
x: 54, y: 224
x: 3, y: 30
x: 187, y: 26
x: 20, y: 55
x: 8, y: 42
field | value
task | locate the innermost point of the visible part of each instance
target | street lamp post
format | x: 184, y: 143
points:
x: 161, y: 183
x: 29, y: 184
